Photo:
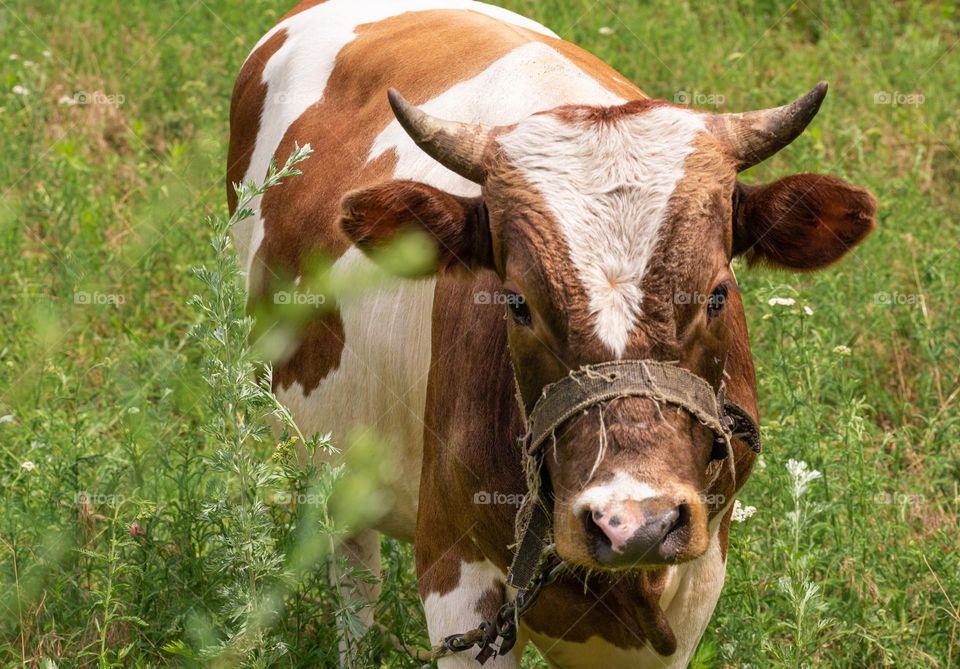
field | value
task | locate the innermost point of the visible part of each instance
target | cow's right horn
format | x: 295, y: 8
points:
x: 752, y: 137
x: 456, y: 146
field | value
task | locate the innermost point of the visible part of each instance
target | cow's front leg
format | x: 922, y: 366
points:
x: 458, y: 593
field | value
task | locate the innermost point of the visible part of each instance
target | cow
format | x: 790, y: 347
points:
x: 575, y: 221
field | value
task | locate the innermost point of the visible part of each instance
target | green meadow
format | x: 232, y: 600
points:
x: 148, y: 517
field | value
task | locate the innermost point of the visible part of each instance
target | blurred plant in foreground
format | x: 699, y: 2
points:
x: 256, y: 561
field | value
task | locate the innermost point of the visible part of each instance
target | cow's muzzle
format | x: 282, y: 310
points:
x: 631, y: 533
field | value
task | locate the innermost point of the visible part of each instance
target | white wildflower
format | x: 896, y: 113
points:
x: 741, y: 512
x: 841, y: 350
x: 781, y: 301
x: 28, y: 465
x: 20, y: 90
x: 47, y: 54
x: 6, y: 419
x: 14, y: 56
x: 605, y: 31
x: 808, y: 311
x: 802, y: 476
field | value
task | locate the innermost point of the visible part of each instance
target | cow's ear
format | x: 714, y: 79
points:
x: 804, y: 221
x: 458, y: 226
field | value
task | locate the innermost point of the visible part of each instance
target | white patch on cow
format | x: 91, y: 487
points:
x: 529, y: 79
x: 456, y: 611
x: 608, y: 186
x: 381, y: 381
x: 297, y: 75
x: 620, y: 488
x: 688, y: 600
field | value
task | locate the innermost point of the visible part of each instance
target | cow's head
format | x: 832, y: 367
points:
x: 612, y: 230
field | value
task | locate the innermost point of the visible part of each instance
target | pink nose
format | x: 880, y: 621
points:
x: 631, y: 532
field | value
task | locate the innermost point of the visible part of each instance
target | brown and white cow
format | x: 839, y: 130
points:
x: 577, y: 221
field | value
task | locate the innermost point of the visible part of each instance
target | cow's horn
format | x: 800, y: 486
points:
x: 752, y: 137
x: 456, y: 146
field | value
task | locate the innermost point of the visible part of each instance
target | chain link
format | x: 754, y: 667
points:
x: 504, y: 625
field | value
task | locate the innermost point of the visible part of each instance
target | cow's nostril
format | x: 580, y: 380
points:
x: 592, y: 526
x: 668, y: 520
x: 683, y: 517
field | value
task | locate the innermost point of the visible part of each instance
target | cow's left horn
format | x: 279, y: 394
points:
x: 752, y: 137
x: 456, y: 146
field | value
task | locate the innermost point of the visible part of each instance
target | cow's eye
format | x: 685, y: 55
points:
x: 717, y: 300
x: 519, y: 310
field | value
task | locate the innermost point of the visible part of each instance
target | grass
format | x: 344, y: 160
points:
x: 134, y: 528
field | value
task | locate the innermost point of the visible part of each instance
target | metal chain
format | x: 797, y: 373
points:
x: 503, y: 626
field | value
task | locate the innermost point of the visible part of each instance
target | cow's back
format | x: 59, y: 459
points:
x: 320, y: 78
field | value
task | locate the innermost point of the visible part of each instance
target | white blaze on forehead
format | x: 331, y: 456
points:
x: 608, y: 186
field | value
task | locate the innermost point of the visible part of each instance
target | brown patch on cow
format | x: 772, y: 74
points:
x: 623, y: 609
x: 490, y: 602
x: 321, y: 348
x: 594, y: 115
x: 249, y: 95
x: 467, y: 436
